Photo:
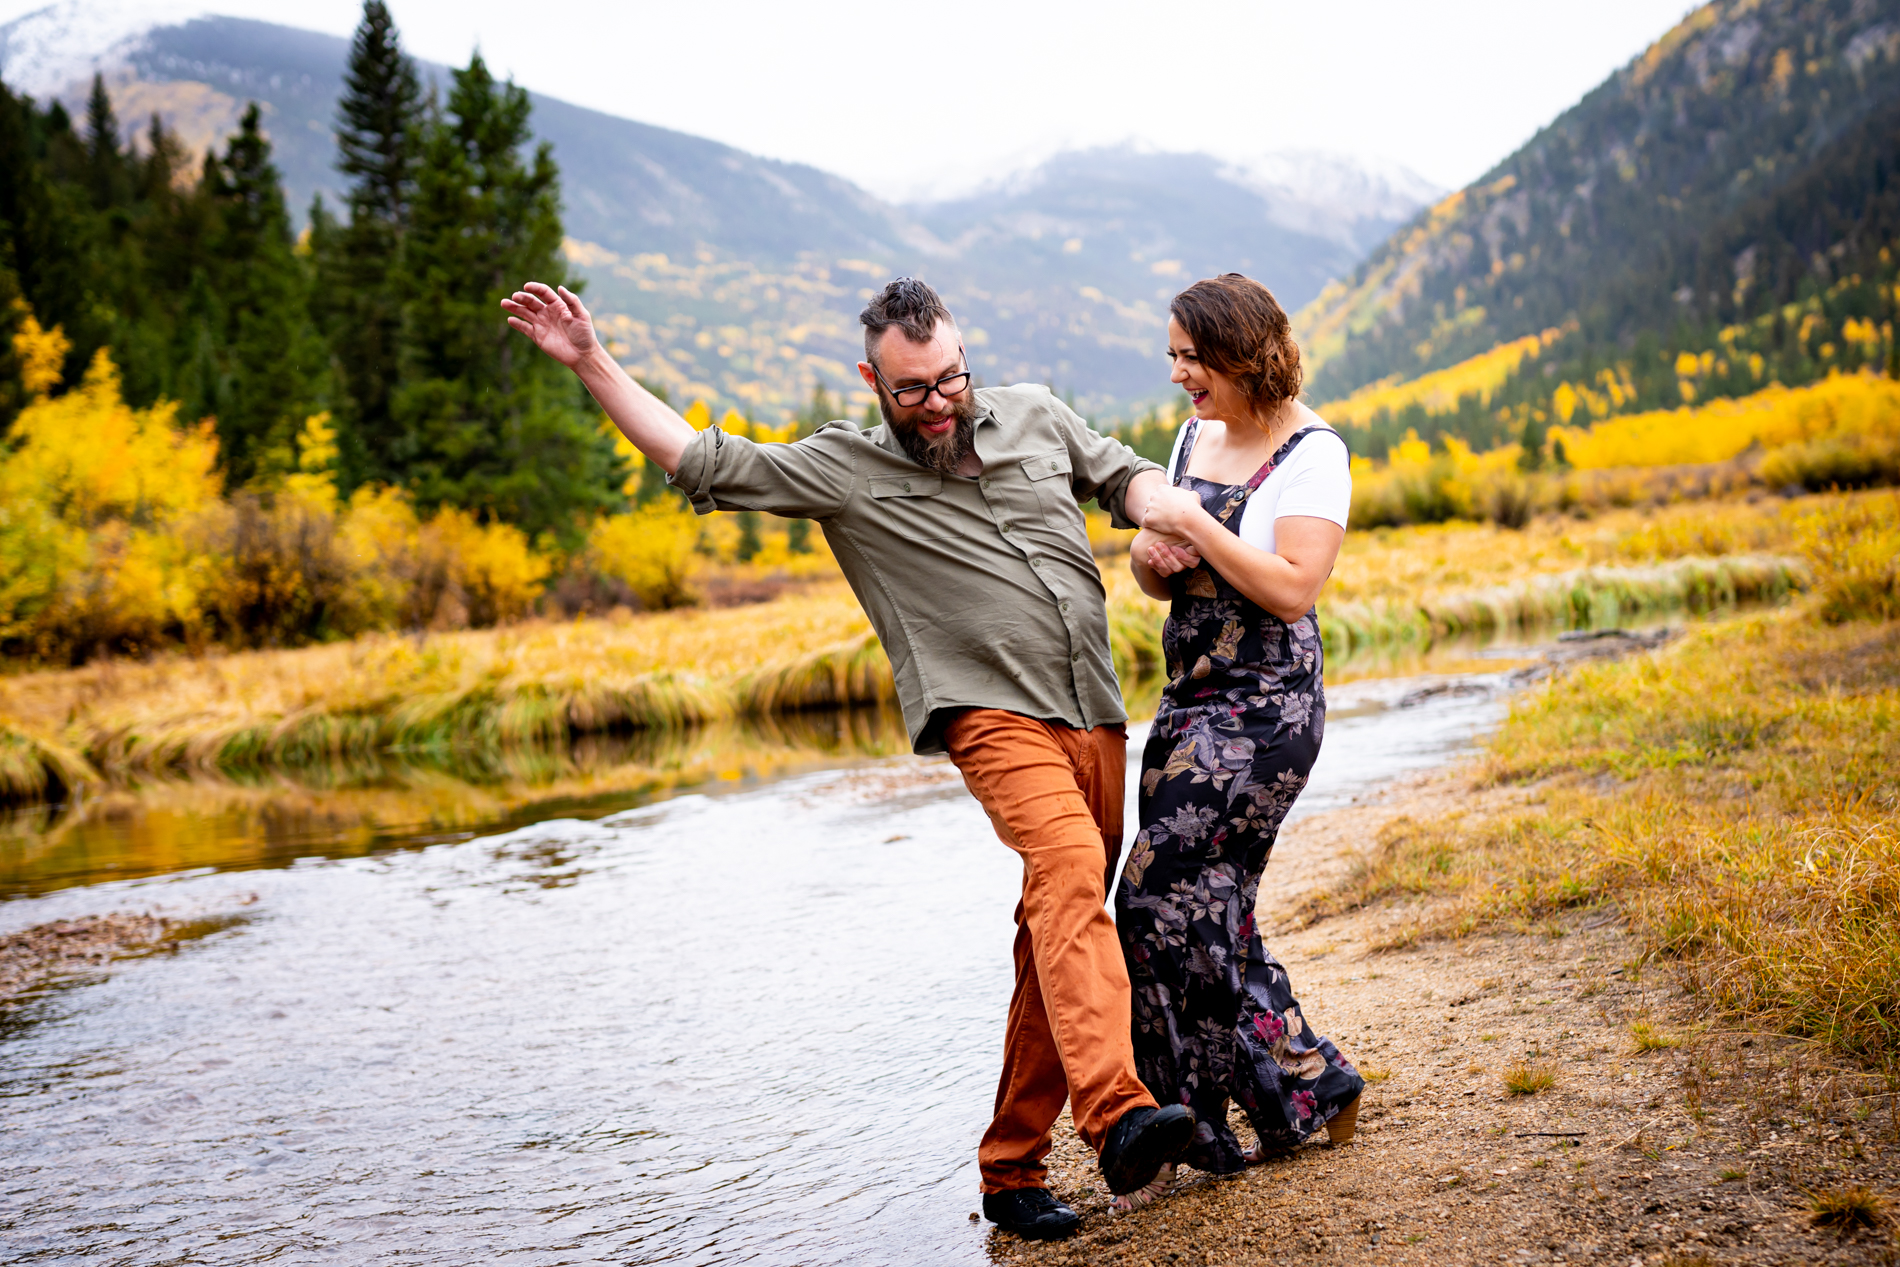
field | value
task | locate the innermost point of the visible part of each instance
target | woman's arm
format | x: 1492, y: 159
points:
x: 1285, y: 582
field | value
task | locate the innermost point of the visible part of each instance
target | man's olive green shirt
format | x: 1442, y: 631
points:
x: 983, y: 591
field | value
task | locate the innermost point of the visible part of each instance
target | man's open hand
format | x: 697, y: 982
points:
x: 556, y: 320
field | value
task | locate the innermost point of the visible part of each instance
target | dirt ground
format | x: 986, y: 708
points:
x: 1710, y: 1151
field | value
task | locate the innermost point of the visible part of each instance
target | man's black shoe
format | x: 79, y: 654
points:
x: 1031, y: 1213
x: 1142, y: 1141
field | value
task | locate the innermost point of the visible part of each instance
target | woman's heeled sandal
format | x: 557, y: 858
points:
x: 1342, y: 1125
x: 1155, y: 1189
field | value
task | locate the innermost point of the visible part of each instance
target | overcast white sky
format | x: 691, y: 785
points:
x: 909, y: 98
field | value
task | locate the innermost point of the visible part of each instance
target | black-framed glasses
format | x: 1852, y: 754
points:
x: 950, y: 386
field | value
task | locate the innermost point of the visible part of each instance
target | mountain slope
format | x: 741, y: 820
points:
x: 1626, y: 217
x: 727, y: 275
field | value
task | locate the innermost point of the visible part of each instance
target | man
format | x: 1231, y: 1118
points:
x: 958, y: 527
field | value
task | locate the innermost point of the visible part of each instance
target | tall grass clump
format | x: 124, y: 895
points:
x: 35, y: 768
x: 1854, y: 546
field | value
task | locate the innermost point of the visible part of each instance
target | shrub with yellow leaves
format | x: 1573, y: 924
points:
x: 497, y: 574
x: 650, y: 550
x: 92, y: 497
x: 1415, y: 485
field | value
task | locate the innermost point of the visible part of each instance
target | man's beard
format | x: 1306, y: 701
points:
x: 944, y: 453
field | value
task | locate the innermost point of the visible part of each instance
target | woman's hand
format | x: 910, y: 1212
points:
x: 1174, y: 514
x: 1164, y: 555
x: 1154, y: 558
x: 557, y: 321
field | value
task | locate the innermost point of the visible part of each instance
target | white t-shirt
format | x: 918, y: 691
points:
x: 1315, y: 479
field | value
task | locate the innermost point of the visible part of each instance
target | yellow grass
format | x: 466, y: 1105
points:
x: 1411, y: 584
x: 1529, y: 1078
x: 1736, y: 795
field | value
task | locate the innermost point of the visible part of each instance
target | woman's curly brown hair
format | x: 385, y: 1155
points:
x: 1240, y: 330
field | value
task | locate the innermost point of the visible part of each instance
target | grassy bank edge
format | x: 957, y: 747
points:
x: 35, y: 766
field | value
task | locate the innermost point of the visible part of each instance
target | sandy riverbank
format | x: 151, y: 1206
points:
x: 1697, y: 1153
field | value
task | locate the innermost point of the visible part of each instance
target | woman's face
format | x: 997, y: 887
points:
x: 1214, y: 395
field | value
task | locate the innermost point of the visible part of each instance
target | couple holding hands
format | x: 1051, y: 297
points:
x: 958, y: 525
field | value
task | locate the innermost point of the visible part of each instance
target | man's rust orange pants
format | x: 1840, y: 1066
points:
x: 1055, y: 796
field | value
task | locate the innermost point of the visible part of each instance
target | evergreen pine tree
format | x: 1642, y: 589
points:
x: 269, y: 358
x: 43, y: 224
x: 821, y: 410
x: 105, y: 161
x: 378, y: 120
x: 1530, y: 455
x: 492, y: 424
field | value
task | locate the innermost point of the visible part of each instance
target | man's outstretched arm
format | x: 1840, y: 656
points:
x: 561, y: 326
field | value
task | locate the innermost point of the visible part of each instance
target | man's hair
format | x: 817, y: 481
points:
x: 1240, y: 330
x: 910, y: 305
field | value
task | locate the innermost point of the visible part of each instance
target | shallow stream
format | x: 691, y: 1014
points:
x: 744, y: 1007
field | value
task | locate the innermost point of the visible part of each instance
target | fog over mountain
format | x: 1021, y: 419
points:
x: 723, y: 274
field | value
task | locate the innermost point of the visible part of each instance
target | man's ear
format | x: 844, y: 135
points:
x: 868, y: 374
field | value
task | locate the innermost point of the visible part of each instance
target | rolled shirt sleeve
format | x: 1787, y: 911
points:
x: 1101, y: 468
x: 809, y: 479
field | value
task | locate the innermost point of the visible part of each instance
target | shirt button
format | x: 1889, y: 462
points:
x: 1075, y: 657
x: 907, y: 486
x: 1036, y: 561
x: 986, y: 481
x: 1064, y: 604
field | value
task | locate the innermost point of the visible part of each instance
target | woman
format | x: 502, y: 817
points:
x: 1241, y: 544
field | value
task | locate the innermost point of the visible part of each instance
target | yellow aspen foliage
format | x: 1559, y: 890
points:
x: 698, y: 415
x: 499, y: 574
x: 41, y: 352
x: 650, y: 550
x: 314, y: 481
x: 734, y: 424
x: 92, y: 498
x: 1565, y: 401
x: 91, y: 456
x: 1841, y: 405
x: 379, y: 535
x: 784, y: 433
x: 1441, y: 390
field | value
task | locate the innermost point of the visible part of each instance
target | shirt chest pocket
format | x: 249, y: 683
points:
x: 914, y: 506
x: 1050, y: 475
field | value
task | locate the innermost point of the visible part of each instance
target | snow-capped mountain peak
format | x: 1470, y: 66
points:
x: 47, y: 51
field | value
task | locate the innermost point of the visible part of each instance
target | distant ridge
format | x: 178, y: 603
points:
x: 1648, y: 211
x: 735, y: 277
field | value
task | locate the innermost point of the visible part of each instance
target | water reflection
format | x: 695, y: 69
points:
x: 349, y: 809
